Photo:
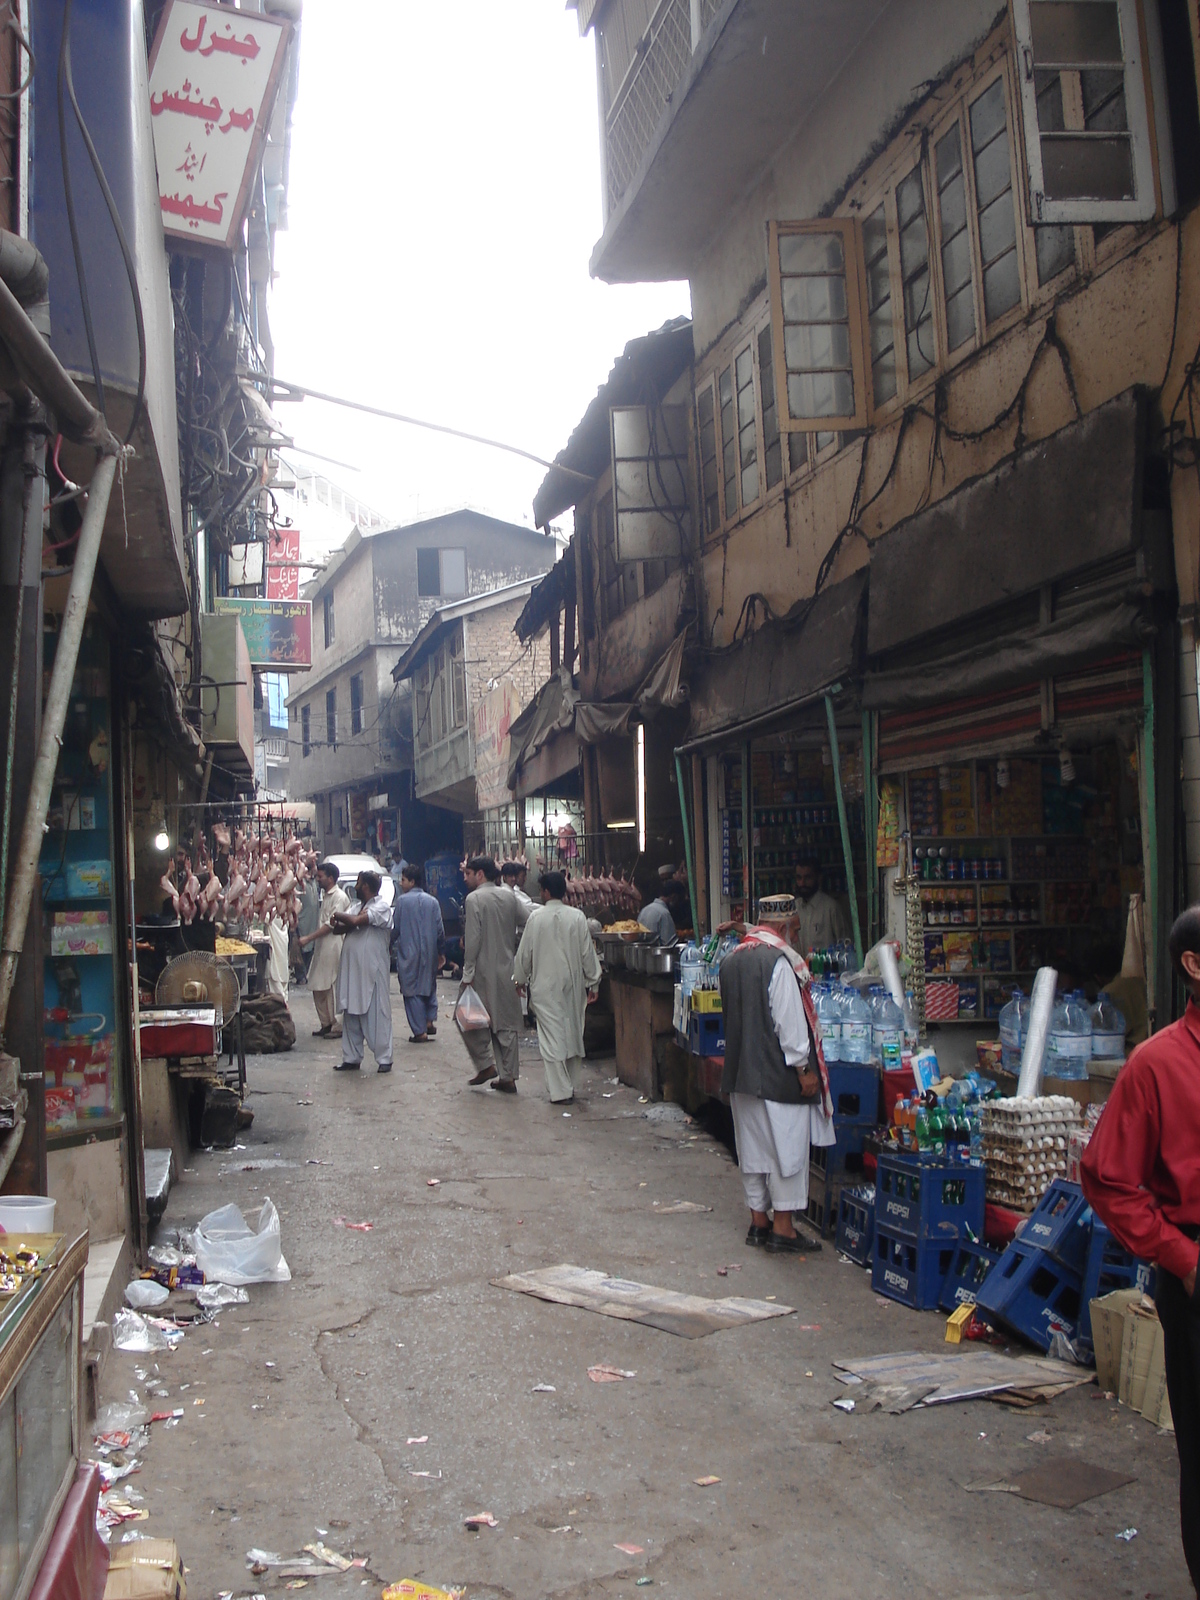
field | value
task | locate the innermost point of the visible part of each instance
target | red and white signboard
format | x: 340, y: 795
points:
x: 283, y: 564
x: 214, y: 73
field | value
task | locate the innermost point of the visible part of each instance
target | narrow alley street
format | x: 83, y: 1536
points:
x: 390, y: 1390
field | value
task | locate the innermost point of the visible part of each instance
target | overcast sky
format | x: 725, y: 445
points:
x: 443, y: 202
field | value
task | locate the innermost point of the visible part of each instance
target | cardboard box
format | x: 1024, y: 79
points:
x: 1108, y: 1331
x: 147, y: 1569
x: 1142, y: 1331
x: 1156, y: 1406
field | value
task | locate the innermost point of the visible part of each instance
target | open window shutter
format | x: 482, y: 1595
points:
x: 817, y: 321
x: 1083, y: 102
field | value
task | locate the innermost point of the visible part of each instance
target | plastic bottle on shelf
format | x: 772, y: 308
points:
x: 1014, y: 1023
x: 1069, y: 1047
x: 887, y: 1028
x: 912, y: 1033
x: 1108, y: 1030
x: 856, y: 1026
x: 829, y: 1019
x: 691, y: 969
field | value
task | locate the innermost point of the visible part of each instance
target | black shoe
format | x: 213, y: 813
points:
x: 757, y: 1235
x: 505, y: 1085
x: 347, y: 1066
x: 384, y: 1066
x: 778, y: 1244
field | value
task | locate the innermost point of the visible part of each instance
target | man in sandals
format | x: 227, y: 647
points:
x: 492, y: 923
x: 419, y: 941
x: 776, y: 1082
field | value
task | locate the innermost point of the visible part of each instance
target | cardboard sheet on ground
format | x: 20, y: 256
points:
x: 1064, y: 1481
x: 965, y: 1376
x: 688, y: 1315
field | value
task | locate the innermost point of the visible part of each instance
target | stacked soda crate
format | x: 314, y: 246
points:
x: 854, y: 1089
x: 924, y: 1206
x: 1025, y: 1146
x: 1063, y: 1259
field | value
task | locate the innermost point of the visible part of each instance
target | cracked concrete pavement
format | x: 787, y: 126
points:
x: 388, y: 1391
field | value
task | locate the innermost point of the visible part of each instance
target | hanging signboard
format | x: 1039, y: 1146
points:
x: 283, y: 564
x: 494, y: 716
x: 214, y: 74
x: 278, y: 632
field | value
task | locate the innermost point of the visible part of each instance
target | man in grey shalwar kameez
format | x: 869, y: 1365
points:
x: 492, y: 924
x: 557, y: 959
x: 418, y: 938
x: 365, y: 976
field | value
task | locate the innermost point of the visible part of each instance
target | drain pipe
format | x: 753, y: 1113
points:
x: 54, y: 718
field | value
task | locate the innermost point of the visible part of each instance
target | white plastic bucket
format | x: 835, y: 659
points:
x: 26, y: 1213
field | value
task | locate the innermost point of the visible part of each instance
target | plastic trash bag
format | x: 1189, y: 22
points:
x: 144, y: 1294
x: 470, y: 1013
x: 131, y: 1332
x: 228, y: 1250
x: 119, y: 1416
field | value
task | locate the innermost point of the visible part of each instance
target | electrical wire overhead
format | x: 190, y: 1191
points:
x: 295, y: 391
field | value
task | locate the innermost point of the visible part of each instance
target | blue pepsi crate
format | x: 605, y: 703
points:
x: 924, y: 1197
x: 971, y: 1265
x: 706, y: 1033
x: 844, y: 1155
x: 856, y: 1224
x: 1032, y: 1294
x: 912, y: 1271
x: 1109, y: 1266
x: 854, y: 1089
x: 824, y: 1194
x: 1061, y: 1223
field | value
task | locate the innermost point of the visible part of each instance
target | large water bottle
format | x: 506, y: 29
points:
x: 691, y: 969
x: 829, y: 1017
x: 856, y: 1026
x: 1108, y: 1030
x: 1069, y: 1047
x: 1014, y: 1024
x: 887, y: 1030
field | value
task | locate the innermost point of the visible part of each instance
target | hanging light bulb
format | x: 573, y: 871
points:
x: 162, y: 840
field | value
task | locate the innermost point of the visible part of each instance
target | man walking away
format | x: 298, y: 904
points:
x: 557, y: 959
x: 776, y: 1083
x: 492, y: 924
x: 364, y: 977
x: 323, y: 972
x: 1141, y: 1175
x: 419, y: 940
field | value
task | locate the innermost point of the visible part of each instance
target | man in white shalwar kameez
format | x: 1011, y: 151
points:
x: 557, y: 960
x: 776, y: 1082
x: 323, y: 972
x: 364, y: 976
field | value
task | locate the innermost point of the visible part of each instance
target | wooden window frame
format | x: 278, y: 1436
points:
x: 848, y: 229
x: 1144, y: 206
x: 722, y: 356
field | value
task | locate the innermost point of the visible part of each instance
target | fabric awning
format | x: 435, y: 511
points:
x: 780, y: 666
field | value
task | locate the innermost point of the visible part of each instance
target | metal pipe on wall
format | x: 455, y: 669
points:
x: 687, y: 844
x: 847, y: 855
x: 54, y: 716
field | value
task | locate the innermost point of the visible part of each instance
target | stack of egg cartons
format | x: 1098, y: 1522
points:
x: 1025, y: 1146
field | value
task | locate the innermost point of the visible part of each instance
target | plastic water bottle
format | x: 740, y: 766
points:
x: 912, y: 1032
x: 1108, y: 1031
x: 1069, y: 1048
x: 691, y: 969
x: 1014, y: 1024
x: 829, y: 1017
x: 856, y: 1026
x: 887, y: 1030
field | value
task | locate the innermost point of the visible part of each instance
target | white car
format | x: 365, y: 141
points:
x: 349, y: 868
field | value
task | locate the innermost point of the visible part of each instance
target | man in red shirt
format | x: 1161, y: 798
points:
x: 1141, y: 1174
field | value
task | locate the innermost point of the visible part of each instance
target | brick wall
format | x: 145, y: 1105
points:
x: 494, y: 651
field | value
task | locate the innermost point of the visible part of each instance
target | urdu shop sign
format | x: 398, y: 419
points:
x: 278, y: 632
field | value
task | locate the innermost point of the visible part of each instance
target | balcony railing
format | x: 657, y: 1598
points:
x: 647, y: 91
